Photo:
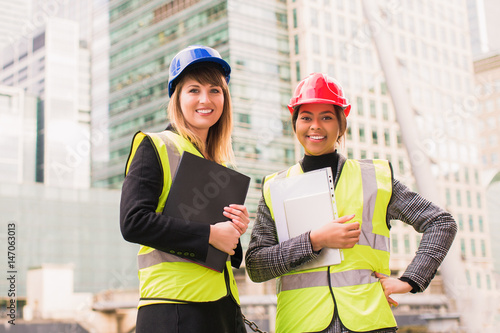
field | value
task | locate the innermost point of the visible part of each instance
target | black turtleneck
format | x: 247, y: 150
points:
x: 310, y: 162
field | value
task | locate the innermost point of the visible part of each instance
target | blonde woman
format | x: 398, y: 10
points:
x: 178, y: 295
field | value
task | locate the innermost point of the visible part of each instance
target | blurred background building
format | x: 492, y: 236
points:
x: 87, y: 75
x: 486, y: 51
x: 487, y: 69
x: 15, y: 18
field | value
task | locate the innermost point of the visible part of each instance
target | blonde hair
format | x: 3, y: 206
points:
x: 218, y: 147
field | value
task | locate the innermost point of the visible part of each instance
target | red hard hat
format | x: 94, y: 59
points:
x: 319, y: 88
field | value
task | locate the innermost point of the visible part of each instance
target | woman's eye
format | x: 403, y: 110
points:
x: 215, y: 91
x: 193, y: 90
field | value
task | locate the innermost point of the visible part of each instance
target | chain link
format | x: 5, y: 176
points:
x: 253, y: 326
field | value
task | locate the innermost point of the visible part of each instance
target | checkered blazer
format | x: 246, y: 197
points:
x: 266, y: 258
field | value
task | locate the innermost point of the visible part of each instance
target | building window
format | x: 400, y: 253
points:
x: 385, y: 111
x: 341, y: 25
x: 387, y: 137
x: 244, y: 118
x: 350, y: 153
x: 349, y: 133
x: 374, y: 137
x: 471, y: 223
x: 314, y: 18
x: 362, y: 133
x: 329, y: 47
x: 296, y: 43
x: 481, y: 225
x: 8, y: 63
x: 383, y: 88
x: 483, y: 248
x: 399, y: 139
x: 462, y: 247
x: 460, y: 222
x: 39, y: 41
x: 315, y: 44
x: 363, y: 154
x: 469, y: 199
x: 9, y: 80
x: 395, y: 248
x: 373, y: 109
x: 467, y: 277
x: 407, y: 244
x: 448, y: 197
x: 401, y: 166
x: 473, y: 247
x: 359, y: 104
x: 459, y: 198
x: 328, y: 22
x: 297, y: 70
x: 317, y: 66
x: 478, y: 280
x: 478, y: 198
x: 295, y: 21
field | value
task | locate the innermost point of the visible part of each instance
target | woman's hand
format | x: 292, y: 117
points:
x: 239, y: 216
x: 393, y: 286
x: 336, y: 234
x: 224, y: 236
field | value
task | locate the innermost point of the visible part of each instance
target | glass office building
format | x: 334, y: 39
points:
x: 270, y: 46
x: 55, y: 225
x: 54, y: 66
x: 144, y: 37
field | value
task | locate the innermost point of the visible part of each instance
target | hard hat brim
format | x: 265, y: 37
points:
x: 346, y: 107
x: 225, y: 67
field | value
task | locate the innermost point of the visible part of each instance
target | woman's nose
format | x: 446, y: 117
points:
x: 315, y: 124
x: 204, y: 97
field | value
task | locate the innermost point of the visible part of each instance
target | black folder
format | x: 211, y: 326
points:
x: 200, y: 190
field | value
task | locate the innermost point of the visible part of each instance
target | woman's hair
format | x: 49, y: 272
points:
x: 218, y: 146
x: 341, y: 118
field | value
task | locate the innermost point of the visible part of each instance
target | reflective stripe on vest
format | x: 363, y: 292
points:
x: 165, y: 277
x: 320, y: 279
x: 367, y: 236
x: 156, y: 257
x: 304, y: 297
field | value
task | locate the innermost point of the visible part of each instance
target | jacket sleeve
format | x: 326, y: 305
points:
x: 266, y: 258
x: 438, y: 228
x: 139, y: 221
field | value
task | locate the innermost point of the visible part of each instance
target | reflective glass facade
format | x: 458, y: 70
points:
x: 68, y: 226
x: 144, y: 36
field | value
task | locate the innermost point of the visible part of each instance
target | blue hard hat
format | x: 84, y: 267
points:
x: 191, y: 55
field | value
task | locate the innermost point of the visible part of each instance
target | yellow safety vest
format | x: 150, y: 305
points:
x: 165, y: 277
x: 307, y: 299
